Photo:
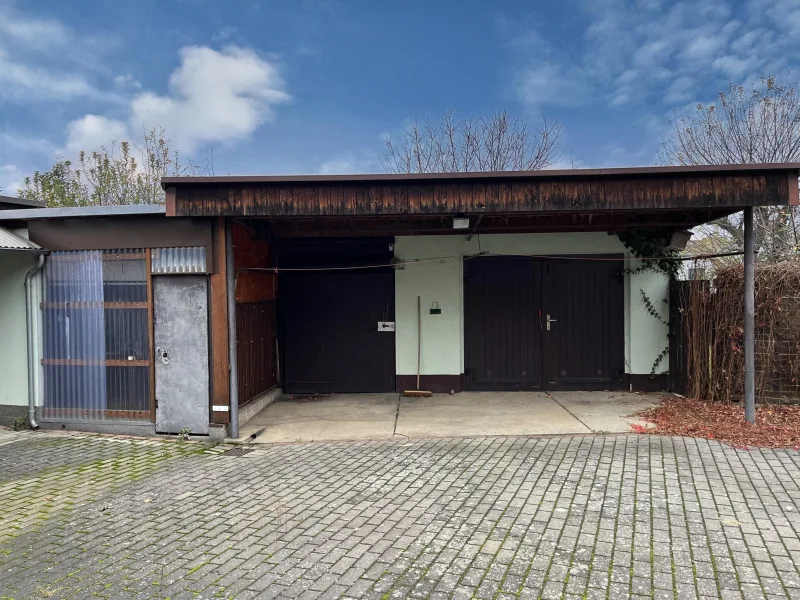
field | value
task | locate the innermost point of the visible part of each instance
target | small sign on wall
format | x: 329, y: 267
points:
x: 385, y: 325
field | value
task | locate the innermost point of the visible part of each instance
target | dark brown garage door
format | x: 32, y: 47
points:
x: 535, y: 324
x: 503, y: 332
x: 329, y: 320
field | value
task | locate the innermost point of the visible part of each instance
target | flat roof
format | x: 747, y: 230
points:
x: 12, y: 203
x: 32, y: 214
x: 545, y: 173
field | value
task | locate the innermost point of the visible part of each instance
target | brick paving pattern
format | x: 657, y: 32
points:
x: 549, y: 517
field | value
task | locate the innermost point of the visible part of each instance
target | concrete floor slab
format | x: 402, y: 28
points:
x: 468, y: 414
x: 339, y: 417
x: 606, y: 412
x: 485, y: 413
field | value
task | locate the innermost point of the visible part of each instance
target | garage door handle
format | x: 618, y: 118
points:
x: 549, y: 320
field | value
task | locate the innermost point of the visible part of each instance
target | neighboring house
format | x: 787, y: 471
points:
x: 154, y: 318
x: 17, y: 256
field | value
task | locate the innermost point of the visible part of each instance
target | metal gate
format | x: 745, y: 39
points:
x: 181, y: 353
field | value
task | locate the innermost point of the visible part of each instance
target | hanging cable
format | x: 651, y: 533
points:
x: 403, y: 263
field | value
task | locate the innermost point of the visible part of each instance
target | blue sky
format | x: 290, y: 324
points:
x: 311, y: 86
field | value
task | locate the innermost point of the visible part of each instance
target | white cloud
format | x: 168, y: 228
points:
x: 34, y: 32
x: 654, y: 53
x: 11, y: 180
x: 784, y: 14
x: 224, y: 34
x: 12, y: 143
x: 551, y: 84
x: 350, y: 162
x: 681, y: 90
x: 92, y: 132
x: 704, y: 48
x: 733, y: 66
x: 44, y: 60
x: 127, y: 82
x: 214, y: 97
x: 23, y: 82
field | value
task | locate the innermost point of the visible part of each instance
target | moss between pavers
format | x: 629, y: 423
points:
x: 35, y: 498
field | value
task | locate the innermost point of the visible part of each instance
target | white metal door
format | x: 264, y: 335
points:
x: 180, y: 305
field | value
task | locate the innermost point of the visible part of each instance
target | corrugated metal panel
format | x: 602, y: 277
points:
x: 12, y: 241
x: 173, y: 261
x: 96, y: 354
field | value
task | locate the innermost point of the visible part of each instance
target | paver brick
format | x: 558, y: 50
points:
x: 556, y: 517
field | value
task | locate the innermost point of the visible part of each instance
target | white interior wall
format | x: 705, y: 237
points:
x: 441, y: 280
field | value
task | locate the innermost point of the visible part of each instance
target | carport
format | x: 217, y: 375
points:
x: 524, y: 279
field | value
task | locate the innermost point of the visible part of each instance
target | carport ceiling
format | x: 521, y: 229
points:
x: 322, y: 226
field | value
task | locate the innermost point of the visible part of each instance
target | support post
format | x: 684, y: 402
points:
x: 218, y: 328
x: 230, y: 271
x: 749, y: 319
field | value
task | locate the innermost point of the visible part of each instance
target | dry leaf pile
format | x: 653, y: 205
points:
x: 776, y: 426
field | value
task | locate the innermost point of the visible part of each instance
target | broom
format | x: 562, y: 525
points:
x: 417, y: 393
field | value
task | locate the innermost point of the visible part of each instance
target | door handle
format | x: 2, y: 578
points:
x: 549, y: 320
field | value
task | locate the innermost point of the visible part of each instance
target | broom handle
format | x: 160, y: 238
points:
x: 419, y: 335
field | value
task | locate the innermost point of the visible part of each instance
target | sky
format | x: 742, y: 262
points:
x: 314, y: 86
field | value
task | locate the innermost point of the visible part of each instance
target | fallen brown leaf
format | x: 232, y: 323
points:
x: 776, y: 426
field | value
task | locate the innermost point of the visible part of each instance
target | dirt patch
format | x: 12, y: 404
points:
x: 775, y: 427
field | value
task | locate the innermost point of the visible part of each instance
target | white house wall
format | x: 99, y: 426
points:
x: 646, y: 335
x: 13, y: 350
x: 441, y: 281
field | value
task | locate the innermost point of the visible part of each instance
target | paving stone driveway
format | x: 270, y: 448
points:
x: 504, y: 517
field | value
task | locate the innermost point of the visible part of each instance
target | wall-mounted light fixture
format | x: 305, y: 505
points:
x: 460, y: 222
x: 679, y: 240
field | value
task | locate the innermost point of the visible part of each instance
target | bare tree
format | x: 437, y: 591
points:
x: 496, y: 142
x: 758, y: 124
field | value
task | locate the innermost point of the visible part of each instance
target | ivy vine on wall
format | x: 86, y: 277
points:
x: 651, y: 245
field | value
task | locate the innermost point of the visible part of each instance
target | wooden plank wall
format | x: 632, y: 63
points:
x: 250, y: 253
x: 256, y: 334
x: 256, y: 331
x: 656, y: 192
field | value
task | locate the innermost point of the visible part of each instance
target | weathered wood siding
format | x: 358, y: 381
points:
x: 442, y: 196
x: 256, y: 331
x: 256, y: 348
x: 250, y: 253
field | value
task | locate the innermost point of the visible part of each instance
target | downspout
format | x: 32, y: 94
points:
x: 29, y: 331
x: 233, y: 373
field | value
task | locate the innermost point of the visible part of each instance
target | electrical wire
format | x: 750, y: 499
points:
x: 403, y: 263
x: 350, y: 267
